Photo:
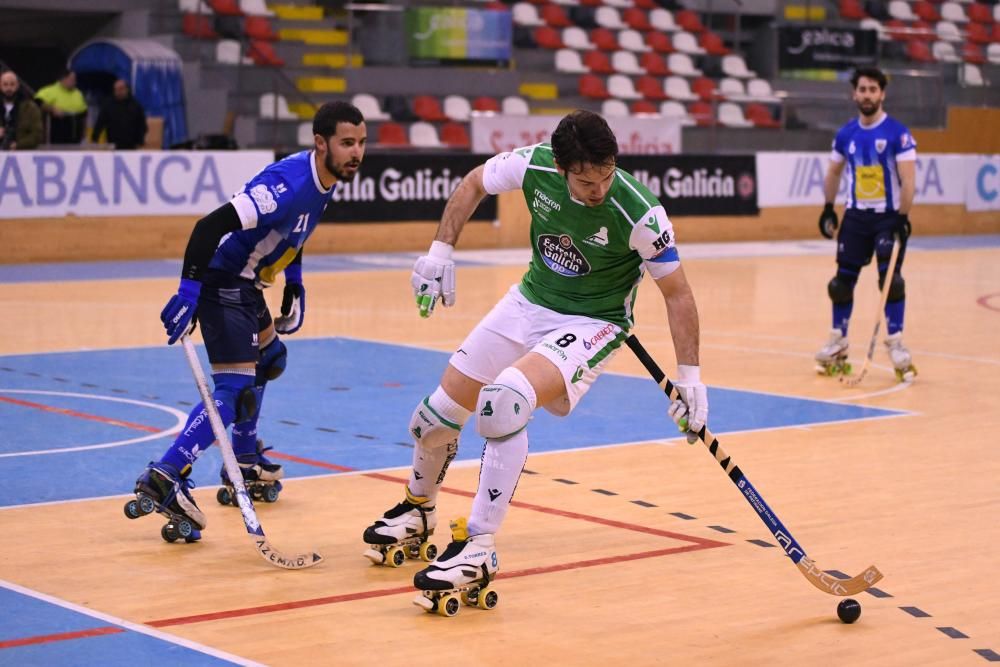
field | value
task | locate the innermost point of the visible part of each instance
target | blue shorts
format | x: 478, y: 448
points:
x: 232, y: 313
x: 863, y: 233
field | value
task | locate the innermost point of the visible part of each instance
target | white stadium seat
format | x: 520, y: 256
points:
x: 457, y: 108
x: 676, y: 110
x: 621, y: 86
x: 369, y: 107
x: 255, y: 8
x: 731, y: 115
x: 525, y: 13
x: 734, y: 65
x: 576, y: 38
x: 972, y: 75
x: 568, y: 60
x: 663, y: 20
x: 677, y: 88
x: 632, y: 40
x: 268, y: 103
x: 609, y: 17
x: 681, y: 63
x: 513, y: 105
x: 626, y: 63
x: 614, y: 109
x: 685, y: 42
x: 944, y: 52
x: 423, y: 135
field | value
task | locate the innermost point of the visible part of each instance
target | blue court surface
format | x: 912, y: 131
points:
x: 84, y: 424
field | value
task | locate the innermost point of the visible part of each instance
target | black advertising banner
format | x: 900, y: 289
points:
x: 393, y: 188
x: 698, y: 184
x: 804, y: 47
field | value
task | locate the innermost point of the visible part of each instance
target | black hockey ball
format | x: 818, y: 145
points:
x: 849, y: 610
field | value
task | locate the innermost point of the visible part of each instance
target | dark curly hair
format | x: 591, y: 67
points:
x: 583, y: 137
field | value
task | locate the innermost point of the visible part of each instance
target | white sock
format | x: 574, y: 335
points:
x: 430, y: 464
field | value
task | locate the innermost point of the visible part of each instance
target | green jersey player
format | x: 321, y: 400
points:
x: 595, y: 231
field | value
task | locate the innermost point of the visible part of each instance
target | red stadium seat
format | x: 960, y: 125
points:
x: 919, y: 52
x: 651, y: 88
x: 978, y: 33
x: 926, y: 11
x: 428, y: 108
x: 688, y: 20
x: 760, y: 116
x: 258, y: 27
x: 484, y: 103
x: 555, y: 16
x: 654, y: 64
x: 995, y: 34
x: 226, y: 7
x: 391, y: 134
x: 198, y: 26
x: 593, y: 87
x: 647, y: 4
x: 852, y: 10
x: 636, y: 19
x: 548, y: 38
x: 659, y: 42
x: 262, y: 53
x: 702, y: 113
x: 923, y: 32
x: 973, y: 54
x: 704, y: 88
x: 455, y: 135
x: 597, y: 62
x: 712, y: 43
x: 644, y: 106
x: 980, y: 13
x: 604, y: 39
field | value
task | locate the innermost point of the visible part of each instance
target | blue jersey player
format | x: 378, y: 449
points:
x: 880, y: 155
x: 233, y: 253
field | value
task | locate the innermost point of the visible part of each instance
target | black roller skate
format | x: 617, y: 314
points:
x: 162, y: 488
x: 462, y: 574
x: 260, y: 476
x: 402, y: 533
x: 832, y: 357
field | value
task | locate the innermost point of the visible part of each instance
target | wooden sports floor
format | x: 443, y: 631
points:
x: 639, y: 553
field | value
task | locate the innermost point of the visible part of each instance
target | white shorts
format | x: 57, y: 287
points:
x: 579, y: 346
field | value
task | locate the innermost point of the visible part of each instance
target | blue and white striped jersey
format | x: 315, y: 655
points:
x: 871, y: 154
x: 278, y: 209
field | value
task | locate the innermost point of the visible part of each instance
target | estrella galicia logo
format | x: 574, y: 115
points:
x: 562, y: 256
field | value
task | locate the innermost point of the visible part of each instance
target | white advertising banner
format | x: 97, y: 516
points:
x: 636, y: 136
x: 796, y: 179
x: 982, y: 186
x: 42, y: 184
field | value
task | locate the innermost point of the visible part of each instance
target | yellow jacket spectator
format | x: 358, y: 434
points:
x: 66, y: 107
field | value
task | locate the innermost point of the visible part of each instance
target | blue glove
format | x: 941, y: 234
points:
x: 293, y: 303
x: 178, y: 315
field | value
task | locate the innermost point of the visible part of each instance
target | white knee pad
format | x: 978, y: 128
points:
x: 504, y: 407
x: 430, y: 429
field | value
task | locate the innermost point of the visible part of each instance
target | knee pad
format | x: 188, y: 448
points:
x: 430, y: 429
x: 273, y: 359
x: 248, y: 403
x: 897, y: 287
x: 233, y: 395
x: 504, y: 407
x: 840, y: 289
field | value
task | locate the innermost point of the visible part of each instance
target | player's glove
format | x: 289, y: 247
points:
x: 434, y: 278
x: 828, y: 221
x: 293, y: 302
x: 903, y: 226
x: 691, y: 413
x: 178, y: 315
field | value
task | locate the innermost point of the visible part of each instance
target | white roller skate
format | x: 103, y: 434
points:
x: 162, y: 488
x: 462, y: 573
x: 260, y: 477
x: 832, y: 357
x: 402, y: 533
x: 902, y: 362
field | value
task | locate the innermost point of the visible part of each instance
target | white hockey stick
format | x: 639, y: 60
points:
x: 884, y: 297
x: 254, y: 529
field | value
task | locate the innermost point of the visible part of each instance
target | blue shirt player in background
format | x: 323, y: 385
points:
x: 881, y: 155
x: 233, y: 253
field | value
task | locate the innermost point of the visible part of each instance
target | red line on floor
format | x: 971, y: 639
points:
x: 61, y: 637
x: 81, y: 415
x: 984, y: 301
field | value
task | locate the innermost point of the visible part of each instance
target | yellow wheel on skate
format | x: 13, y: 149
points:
x: 448, y: 605
x: 428, y: 552
x: 395, y: 557
x: 488, y: 598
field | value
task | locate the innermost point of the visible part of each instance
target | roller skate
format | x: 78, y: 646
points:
x: 462, y: 573
x: 832, y: 357
x: 402, y: 533
x: 902, y: 362
x: 260, y: 477
x: 162, y: 488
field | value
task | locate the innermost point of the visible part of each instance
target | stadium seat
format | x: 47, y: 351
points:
x: 620, y: 4
x: 852, y: 10
x: 225, y: 7
x: 919, y: 52
x: 593, y: 87
x: 194, y: 6
x: 760, y: 90
x: 304, y: 135
x: 512, y: 105
x: 876, y: 25
x: 621, y: 86
x: 548, y: 38
x: 900, y: 10
x: 947, y: 31
x: 688, y: 20
x: 275, y: 106
x: 643, y: 106
x: 632, y: 40
x: 681, y: 63
x: 925, y: 11
x: 258, y: 27
x: 650, y: 88
x: 663, y: 20
x: 731, y: 88
x: 526, y: 14
x: 555, y: 16
x: 952, y: 11
x: 978, y: 34
x: 227, y: 52
x: 614, y: 109
x: 428, y: 109
x: 659, y: 42
x: 604, y: 39
x: 262, y: 53
x: 654, y: 64
x: 980, y: 13
x: 625, y: 62
x: 484, y: 104
x: 569, y: 61
x: 924, y: 32
x: 369, y: 107
x: 198, y: 27
x: 996, y: 14
x: 648, y: 5
x: 597, y: 62
x: 676, y: 111
x: 576, y: 38
x: 686, y: 42
x: 944, y: 52
x: 972, y: 75
x: 608, y: 17
x: 971, y: 53
x: 390, y: 134
x: 760, y: 116
x: 712, y: 44
x: 457, y: 107
x: 455, y: 135
x: 993, y: 53
x: 255, y: 8
x: 735, y: 66
x: 731, y: 115
x: 704, y: 88
x: 637, y: 19
x: 702, y: 114
x: 677, y: 88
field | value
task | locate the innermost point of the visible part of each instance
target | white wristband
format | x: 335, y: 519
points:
x: 440, y: 250
x: 688, y: 374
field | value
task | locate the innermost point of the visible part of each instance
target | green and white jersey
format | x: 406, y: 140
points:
x: 585, y: 260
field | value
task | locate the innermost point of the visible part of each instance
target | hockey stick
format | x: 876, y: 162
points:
x: 817, y: 577
x: 884, y: 297
x: 254, y: 529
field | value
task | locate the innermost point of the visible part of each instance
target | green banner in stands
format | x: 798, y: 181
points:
x: 454, y: 35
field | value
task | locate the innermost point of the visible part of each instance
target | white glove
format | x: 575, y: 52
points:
x: 434, y: 278
x: 691, y: 414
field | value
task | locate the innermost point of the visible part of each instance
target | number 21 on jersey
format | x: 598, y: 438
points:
x: 301, y: 223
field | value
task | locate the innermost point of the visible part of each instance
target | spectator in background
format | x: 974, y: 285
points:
x: 124, y: 119
x: 66, y: 107
x: 22, y: 121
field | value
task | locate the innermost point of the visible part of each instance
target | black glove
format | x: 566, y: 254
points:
x: 903, y: 226
x: 828, y: 221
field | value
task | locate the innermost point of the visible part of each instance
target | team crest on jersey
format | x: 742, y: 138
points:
x: 264, y: 198
x: 880, y: 145
x: 906, y: 141
x: 600, y: 238
x: 562, y: 256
